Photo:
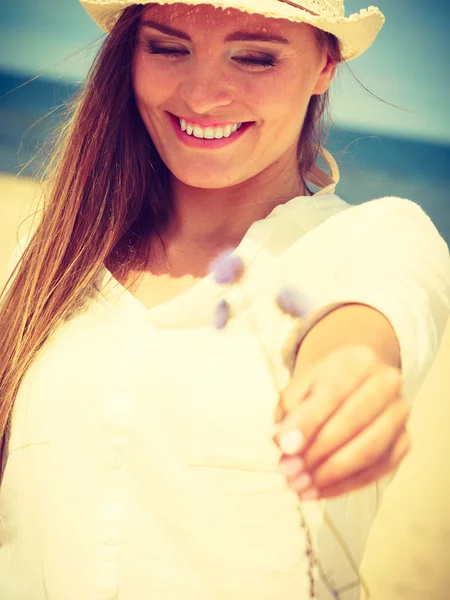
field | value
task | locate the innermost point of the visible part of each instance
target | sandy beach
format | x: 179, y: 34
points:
x: 19, y: 199
x: 408, y: 550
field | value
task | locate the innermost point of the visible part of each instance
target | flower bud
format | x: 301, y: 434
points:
x: 227, y: 267
x: 221, y: 314
x: 292, y: 302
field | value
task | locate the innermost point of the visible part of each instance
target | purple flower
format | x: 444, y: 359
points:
x: 221, y: 314
x: 227, y: 267
x: 292, y: 302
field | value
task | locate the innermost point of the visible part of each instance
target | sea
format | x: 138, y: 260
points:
x: 371, y: 165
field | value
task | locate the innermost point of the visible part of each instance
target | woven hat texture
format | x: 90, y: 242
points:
x: 355, y: 33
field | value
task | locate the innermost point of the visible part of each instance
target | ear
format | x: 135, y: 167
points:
x: 325, y: 77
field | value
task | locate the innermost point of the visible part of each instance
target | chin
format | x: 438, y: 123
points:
x: 206, y: 183
x: 212, y: 180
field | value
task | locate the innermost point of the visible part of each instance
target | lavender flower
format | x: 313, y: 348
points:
x: 227, y: 267
x: 221, y: 314
x: 292, y: 302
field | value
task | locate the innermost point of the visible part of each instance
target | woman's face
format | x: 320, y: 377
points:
x: 225, y: 73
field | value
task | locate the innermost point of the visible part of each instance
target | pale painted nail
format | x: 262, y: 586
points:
x: 301, y: 483
x: 292, y: 466
x: 311, y: 494
x: 291, y: 442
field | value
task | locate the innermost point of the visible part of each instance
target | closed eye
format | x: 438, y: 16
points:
x: 263, y: 62
x: 151, y: 49
x: 173, y: 53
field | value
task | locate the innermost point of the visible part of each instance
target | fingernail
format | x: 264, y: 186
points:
x: 291, y: 441
x: 301, y: 483
x: 292, y: 466
x: 311, y: 494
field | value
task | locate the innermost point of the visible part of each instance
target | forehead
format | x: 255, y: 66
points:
x: 205, y: 16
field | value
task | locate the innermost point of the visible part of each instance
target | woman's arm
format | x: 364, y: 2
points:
x: 349, y: 324
x: 389, y: 289
x: 372, y: 339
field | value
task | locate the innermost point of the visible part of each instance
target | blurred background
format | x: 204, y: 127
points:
x: 381, y: 150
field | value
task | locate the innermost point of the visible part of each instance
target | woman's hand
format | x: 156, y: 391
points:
x: 343, y: 424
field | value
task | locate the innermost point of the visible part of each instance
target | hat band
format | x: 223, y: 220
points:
x: 332, y: 10
x: 298, y: 6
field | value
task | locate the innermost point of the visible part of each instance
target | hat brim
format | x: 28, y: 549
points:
x: 356, y: 33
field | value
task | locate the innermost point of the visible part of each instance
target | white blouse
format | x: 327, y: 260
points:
x: 141, y: 463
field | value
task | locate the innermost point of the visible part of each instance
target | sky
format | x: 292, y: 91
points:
x: 406, y: 66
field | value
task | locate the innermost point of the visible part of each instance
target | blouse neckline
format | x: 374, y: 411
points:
x: 187, y: 309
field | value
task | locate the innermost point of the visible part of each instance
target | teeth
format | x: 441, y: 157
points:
x: 209, y: 133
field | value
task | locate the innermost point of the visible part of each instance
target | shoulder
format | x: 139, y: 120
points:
x: 331, y: 208
x: 380, y: 208
x: 388, y: 218
x: 388, y: 207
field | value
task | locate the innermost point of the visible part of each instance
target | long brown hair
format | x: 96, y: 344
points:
x: 107, y: 191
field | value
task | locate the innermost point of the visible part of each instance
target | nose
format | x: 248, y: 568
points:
x: 205, y: 87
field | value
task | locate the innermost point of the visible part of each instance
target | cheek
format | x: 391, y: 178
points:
x: 152, y: 83
x: 283, y: 105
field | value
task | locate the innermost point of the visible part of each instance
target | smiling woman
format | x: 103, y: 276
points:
x: 138, y: 449
x: 230, y: 78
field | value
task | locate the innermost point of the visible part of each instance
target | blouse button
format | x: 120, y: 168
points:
x: 110, y: 540
x: 116, y: 462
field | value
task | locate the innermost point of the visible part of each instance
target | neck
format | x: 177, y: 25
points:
x: 217, y: 218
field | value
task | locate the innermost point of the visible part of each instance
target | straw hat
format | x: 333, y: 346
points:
x: 355, y: 33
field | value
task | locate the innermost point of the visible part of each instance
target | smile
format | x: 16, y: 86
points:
x: 209, y: 133
x: 208, y: 138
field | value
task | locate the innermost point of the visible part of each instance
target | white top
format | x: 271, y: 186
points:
x: 141, y: 463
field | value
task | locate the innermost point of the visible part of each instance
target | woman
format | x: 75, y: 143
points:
x: 140, y: 454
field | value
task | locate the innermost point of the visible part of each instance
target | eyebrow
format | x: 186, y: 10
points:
x: 237, y: 36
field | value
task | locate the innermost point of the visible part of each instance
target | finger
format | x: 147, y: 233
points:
x: 349, y: 358
x: 337, y: 377
x: 365, y: 450
x: 399, y: 451
x: 356, y: 414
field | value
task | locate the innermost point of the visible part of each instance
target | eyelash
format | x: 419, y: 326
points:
x: 264, y: 62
